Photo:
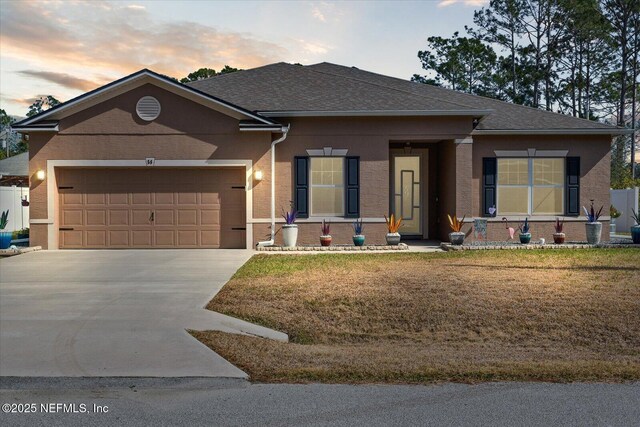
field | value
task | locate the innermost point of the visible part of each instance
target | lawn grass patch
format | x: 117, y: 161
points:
x: 414, y: 318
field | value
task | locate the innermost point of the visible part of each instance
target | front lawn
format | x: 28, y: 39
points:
x: 415, y: 318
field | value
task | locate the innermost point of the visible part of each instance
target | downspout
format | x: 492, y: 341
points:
x: 271, y: 241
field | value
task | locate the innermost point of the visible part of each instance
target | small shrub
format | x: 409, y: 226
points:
x: 393, y: 225
x: 455, y: 223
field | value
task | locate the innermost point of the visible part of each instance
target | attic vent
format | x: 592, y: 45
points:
x: 148, y: 108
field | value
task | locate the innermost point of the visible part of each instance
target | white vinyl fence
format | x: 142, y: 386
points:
x: 624, y: 201
x: 11, y: 198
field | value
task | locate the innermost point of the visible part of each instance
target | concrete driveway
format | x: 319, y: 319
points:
x: 115, y: 313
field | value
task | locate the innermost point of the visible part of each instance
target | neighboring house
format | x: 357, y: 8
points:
x: 148, y: 162
x: 14, y: 190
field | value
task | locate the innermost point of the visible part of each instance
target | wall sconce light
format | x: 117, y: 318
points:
x: 258, y: 175
x: 40, y: 175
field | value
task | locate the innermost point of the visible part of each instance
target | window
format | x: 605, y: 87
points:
x: 327, y: 186
x: 533, y: 186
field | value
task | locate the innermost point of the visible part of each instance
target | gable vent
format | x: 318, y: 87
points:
x: 148, y: 108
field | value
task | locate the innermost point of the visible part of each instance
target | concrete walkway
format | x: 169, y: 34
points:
x: 195, y: 402
x: 115, y: 313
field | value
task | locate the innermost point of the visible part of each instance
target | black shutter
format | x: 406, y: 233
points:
x: 489, y: 170
x: 301, y: 186
x: 352, y: 188
x: 572, y: 187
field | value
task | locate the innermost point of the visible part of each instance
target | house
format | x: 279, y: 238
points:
x: 146, y: 162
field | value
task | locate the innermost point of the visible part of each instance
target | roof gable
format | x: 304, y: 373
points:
x: 126, y: 84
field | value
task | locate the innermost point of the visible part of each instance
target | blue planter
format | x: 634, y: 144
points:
x: 635, y: 234
x: 5, y: 239
x: 358, y: 240
x: 525, y: 238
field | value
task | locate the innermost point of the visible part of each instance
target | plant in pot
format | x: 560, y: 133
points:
x: 593, y: 226
x: 456, y: 237
x: 393, y: 225
x: 614, y: 213
x: 325, y: 238
x: 635, y: 229
x: 5, y: 236
x: 358, y: 237
x: 290, y: 229
x: 558, y: 236
x: 525, y: 232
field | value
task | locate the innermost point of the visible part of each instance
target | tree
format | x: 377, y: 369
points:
x: 205, y: 73
x: 463, y: 63
x: 42, y: 103
x: 500, y: 24
x: 10, y: 138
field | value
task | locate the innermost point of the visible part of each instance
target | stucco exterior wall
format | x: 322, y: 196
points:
x: 186, y: 130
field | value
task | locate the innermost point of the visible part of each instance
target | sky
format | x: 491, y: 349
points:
x: 65, y: 48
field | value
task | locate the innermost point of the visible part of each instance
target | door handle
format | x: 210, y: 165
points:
x: 152, y: 217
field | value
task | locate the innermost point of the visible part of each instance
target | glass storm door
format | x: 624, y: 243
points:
x: 407, y: 202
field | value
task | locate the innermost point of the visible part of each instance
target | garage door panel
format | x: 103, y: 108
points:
x: 141, y: 217
x: 96, y: 198
x: 164, y: 217
x: 96, y: 217
x: 164, y: 238
x: 96, y: 238
x: 119, y: 238
x: 141, y: 238
x: 118, y: 217
x: 191, y: 208
x: 187, y: 217
x: 71, y: 218
x: 164, y: 198
x: 71, y: 239
x: 141, y: 198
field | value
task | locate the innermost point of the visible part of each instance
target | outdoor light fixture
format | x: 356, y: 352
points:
x: 40, y: 175
x: 257, y: 175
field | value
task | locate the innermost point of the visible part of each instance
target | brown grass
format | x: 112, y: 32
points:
x: 413, y: 318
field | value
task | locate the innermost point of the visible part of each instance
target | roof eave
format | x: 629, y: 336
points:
x: 376, y: 113
x: 603, y: 131
x: 30, y: 129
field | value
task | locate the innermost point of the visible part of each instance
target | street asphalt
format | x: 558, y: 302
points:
x: 230, y: 402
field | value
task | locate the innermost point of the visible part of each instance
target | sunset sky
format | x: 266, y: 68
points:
x: 65, y: 48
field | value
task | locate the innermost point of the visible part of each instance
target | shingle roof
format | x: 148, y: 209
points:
x: 17, y: 165
x: 329, y: 87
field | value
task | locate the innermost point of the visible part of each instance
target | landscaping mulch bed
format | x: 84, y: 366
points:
x: 335, y: 248
x: 561, y: 315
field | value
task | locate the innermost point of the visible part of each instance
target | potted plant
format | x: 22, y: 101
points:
x: 5, y: 236
x: 525, y: 234
x: 456, y: 237
x: 558, y: 236
x: 393, y: 225
x: 635, y: 229
x: 614, y: 213
x: 358, y: 237
x: 325, y: 238
x: 290, y: 229
x: 594, y: 228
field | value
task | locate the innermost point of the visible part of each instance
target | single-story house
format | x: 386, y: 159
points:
x: 14, y: 170
x: 147, y: 162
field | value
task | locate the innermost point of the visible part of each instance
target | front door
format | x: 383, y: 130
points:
x: 407, y: 193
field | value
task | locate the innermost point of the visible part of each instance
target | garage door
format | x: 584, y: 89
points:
x: 152, y: 208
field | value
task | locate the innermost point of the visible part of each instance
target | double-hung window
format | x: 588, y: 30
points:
x: 530, y: 186
x: 326, y: 186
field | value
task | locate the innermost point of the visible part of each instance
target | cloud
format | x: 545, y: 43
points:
x: 62, y: 79
x: 317, y: 13
x: 135, y: 7
x: 107, y: 37
x: 314, y: 48
x: 475, y: 3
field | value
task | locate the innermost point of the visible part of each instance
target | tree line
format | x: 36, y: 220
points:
x: 575, y: 57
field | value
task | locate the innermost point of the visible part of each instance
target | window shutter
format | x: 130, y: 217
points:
x: 572, y: 187
x: 301, y: 186
x: 489, y: 169
x: 352, y: 187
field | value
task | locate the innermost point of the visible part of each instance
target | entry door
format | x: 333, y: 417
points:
x: 407, y: 197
